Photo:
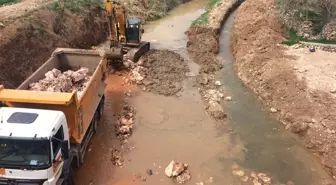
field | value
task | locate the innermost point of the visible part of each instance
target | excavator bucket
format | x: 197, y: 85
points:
x: 135, y: 53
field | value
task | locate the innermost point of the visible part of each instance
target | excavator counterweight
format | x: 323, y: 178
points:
x: 124, y: 34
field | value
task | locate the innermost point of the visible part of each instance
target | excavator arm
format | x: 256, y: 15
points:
x: 112, y: 23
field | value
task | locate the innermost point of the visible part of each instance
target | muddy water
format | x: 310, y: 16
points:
x: 268, y: 146
x: 177, y: 128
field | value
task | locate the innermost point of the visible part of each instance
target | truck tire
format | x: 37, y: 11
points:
x: 70, y: 180
x: 101, y: 107
x: 95, y: 122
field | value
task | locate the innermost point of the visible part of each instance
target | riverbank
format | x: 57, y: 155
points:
x: 30, y: 35
x: 293, y: 83
x: 203, y: 47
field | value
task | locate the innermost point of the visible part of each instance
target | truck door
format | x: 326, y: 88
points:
x: 56, y: 140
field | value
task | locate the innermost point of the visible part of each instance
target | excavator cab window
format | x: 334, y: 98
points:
x: 133, y: 32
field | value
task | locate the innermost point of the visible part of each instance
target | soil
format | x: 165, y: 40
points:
x: 164, y: 71
x: 26, y: 45
x: 265, y: 65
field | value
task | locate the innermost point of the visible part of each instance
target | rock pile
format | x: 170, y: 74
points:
x: 125, y: 122
x: 250, y: 177
x: 178, y: 170
x: 329, y: 31
x: 56, y: 81
x: 305, y: 30
x: 116, y: 157
x: 212, y: 94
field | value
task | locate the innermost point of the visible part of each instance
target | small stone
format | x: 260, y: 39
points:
x: 228, y: 98
x: 184, y: 177
x: 333, y: 90
x: 273, y: 110
x: 199, y: 183
x: 218, y: 83
x: 254, y: 175
x: 245, y: 178
x: 169, y: 169
x: 256, y: 182
x: 239, y: 173
x: 302, y: 70
x: 128, y: 94
x: 190, y: 74
x: 178, y: 169
x: 147, y: 82
x: 149, y: 172
x: 264, y: 177
x: 2, y: 24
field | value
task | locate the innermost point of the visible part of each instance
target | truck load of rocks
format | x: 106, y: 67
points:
x: 56, y: 81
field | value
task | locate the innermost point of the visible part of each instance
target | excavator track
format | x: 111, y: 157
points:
x: 134, y: 53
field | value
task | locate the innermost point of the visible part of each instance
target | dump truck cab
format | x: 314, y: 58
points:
x: 34, y: 146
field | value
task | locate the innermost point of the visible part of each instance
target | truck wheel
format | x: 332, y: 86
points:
x: 95, y: 121
x: 71, y: 177
x: 101, y: 107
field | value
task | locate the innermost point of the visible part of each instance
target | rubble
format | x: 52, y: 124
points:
x: 125, y: 122
x: 56, y: 81
x: 250, y: 177
x: 273, y: 110
x: 179, y: 171
x: 116, y: 157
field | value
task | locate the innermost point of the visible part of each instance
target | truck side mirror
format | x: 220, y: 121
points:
x: 65, y: 149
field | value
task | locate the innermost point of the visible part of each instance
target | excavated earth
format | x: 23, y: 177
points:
x: 164, y: 72
x: 266, y: 66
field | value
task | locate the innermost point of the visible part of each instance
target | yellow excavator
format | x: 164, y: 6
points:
x: 124, y: 34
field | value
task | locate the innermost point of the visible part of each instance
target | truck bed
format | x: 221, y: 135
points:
x: 78, y: 110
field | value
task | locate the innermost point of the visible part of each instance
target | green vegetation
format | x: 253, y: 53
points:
x: 8, y: 2
x: 293, y: 38
x: 203, y: 19
x: 295, y: 12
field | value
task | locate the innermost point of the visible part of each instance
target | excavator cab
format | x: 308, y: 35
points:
x: 134, y: 30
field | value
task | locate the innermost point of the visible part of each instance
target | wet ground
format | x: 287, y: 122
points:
x: 178, y: 128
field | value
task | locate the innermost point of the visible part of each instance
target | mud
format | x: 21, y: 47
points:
x: 163, y: 72
x: 262, y: 64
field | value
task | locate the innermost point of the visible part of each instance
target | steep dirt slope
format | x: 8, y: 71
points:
x: 27, y: 43
x: 262, y: 64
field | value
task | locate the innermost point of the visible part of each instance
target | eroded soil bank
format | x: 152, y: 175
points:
x: 281, y: 80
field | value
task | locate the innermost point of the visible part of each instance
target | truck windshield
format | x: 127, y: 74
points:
x: 30, y: 154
